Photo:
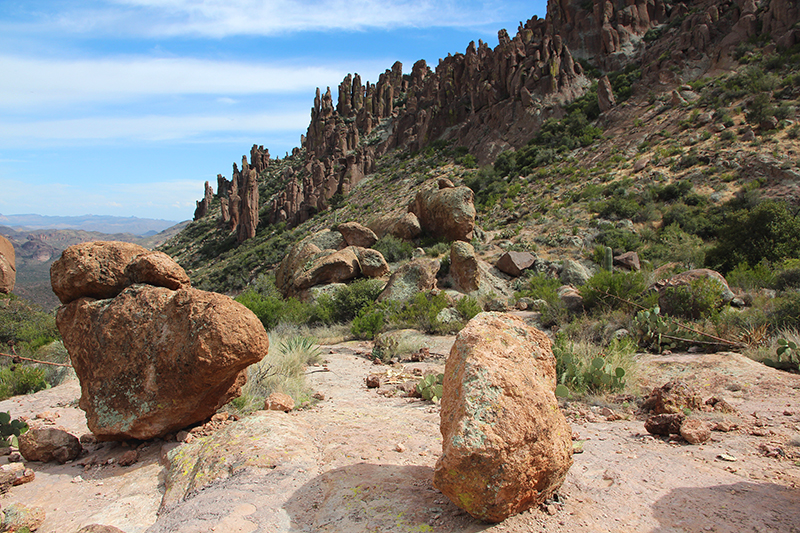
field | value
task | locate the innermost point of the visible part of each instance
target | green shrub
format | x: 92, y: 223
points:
x: 785, y: 312
x: 609, y: 290
x: 619, y: 240
x: 769, y: 231
x: 748, y: 278
x: 368, y: 323
x: 393, y: 248
x: 351, y: 299
x: 787, y: 279
x: 468, y: 307
x: 585, y: 367
x: 696, y: 300
x: 672, y: 244
x: 21, y: 380
x: 421, y: 312
x: 25, y: 326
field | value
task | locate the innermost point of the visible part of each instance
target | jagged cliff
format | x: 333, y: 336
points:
x: 491, y: 100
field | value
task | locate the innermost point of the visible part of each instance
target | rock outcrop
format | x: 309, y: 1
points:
x: 202, y: 205
x: 8, y: 266
x: 357, y: 235
x: 418, y: 275
x: 464, y: 266
x: 152, y: 354
x: 514, y: 263
x: 506, y: 446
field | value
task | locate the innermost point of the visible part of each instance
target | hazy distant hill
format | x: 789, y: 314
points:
x: 102, y: 224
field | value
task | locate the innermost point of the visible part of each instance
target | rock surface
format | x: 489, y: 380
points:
x: 464, y: 266
x: 506, y: 446
x: 418, y: 275
x: 8, y: 268
x: 513, y: 263
x: 142, y: 378
x: 672, y: 397
x: 357, y: 235
x: 49, y: 444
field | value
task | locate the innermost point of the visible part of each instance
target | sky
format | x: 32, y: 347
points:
x: 126, y: 107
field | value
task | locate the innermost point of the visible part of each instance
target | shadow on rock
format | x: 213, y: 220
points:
x: 732, y: 508
x: 369, y: 497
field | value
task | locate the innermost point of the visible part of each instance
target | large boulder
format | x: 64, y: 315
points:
x: 8, y: 266
x: 418, y: 275
x: 506, y: 446
x: 301, y: 254
x: 574, y: 273
x: 513, y: 263
x: 464, y: 266
x: 154, y: 360
x: 404, y: 226
x: 49, y: 444
x: 102, y: 269
x: 335, y: 266
x: 357, y: 235
x: 448, y: 213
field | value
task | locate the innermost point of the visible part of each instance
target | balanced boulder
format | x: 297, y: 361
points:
x: 448, y: 213
x: 153, y: 355
x: 506, y: 446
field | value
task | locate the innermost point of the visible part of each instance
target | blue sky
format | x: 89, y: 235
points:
x: 125, y: 107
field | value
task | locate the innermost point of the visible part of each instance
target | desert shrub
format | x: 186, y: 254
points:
x: 695, y: 300
x: 750, y: 278
x: 282, y: 370
x: 438, y: 249
x: 769, y: 231
x: 25, y: 326
x: 618, y: 207
x: 609, y: 290
x: 785, y: 311
x: 583, y: 367
x: 393, y: 248
x: 691, y: 219
x: 349, y: 300
x: 540, y: 286
x: 468, y: 307
x: 789, y: 277
x: 619, y: 240
x: 21, y: 380
x: 271, y: 310
x: 672, y: 244
x: 421, y: 311
x: 368, y: 322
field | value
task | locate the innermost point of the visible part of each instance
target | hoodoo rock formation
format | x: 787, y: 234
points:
x: 152, y: 354
x: 506, y: 446
x: 8, y: 268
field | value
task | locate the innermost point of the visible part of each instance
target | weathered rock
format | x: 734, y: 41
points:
x: 328, y: 267
x: 128, y: 458
x: 93, y: 269
x: 672, y: 397
x: 666, y: 300
x: 99, y: 528
x: 248, y: 210
x: 571, y: 297
x: 464, y: 266
x: 506, y: 446
x: 357, y: 235
x: 513, y: 263
x: 695, y: 431
x: 278, y: 401
x: 143, y: 378
x: 49, y: 444
x: 418, y: 275
x: 629, y: 261
x: 8, y: 266
x: 371, y: 262
x: 605, y: 95
x: 574, y: 273
x: 205, y: 203
x: 406, y: 227
x: 19, y: 517
x: 664, y: 424
x: 448, y: 213
x: 158, y: 269
x: 13, y: 474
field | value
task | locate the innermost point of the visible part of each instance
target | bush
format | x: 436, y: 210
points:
x: 747, y: 278
x: 608, y: 290
x: 693, y: 301
x: 368, y: 323
x: 468, y: 307
x: 351, y: 299
x: 785, y: 312
x: 769, y: 231
x: 619, y: 240
x: 585, y: 367
x: 421, y: 312
x: 25, y: 326
x: 21, y: 380
x: 393, y: 248
x: 672, y: 244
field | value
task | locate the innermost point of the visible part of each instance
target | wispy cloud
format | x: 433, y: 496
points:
x: 222, y: 18
x: 37, y: 81
x: 146, y: 128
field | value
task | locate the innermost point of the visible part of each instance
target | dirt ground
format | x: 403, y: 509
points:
x: 363, y: 462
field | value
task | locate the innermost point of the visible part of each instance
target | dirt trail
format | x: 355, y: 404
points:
x: 369, y: 460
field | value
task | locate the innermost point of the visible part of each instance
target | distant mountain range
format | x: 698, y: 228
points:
x: 104, y: 224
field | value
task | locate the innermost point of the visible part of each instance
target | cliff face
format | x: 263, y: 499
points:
x: 486, y: 99
x: 490, y: 100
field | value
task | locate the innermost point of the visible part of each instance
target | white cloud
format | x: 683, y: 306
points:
x: 146, y: 128
x: 222, y: 18
x: 36, y: 82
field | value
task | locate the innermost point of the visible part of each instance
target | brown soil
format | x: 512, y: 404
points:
x: 371, y: 461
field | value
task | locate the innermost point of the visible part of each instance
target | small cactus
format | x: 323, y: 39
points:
x: 608, y: 259
x: 430, y: 387
x: 10, y: 429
